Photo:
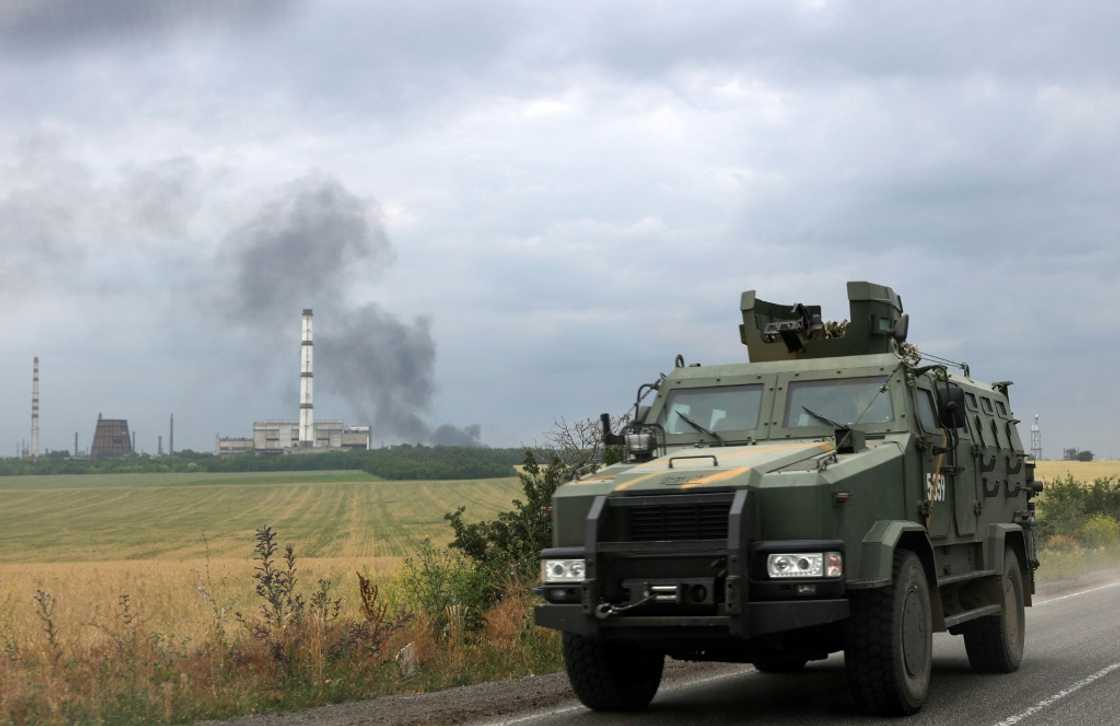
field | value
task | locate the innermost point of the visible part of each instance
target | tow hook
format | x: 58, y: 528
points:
x: 605, y: 610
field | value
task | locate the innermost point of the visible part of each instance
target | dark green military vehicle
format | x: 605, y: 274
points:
x: 837, y: 492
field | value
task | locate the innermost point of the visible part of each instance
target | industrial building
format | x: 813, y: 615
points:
x: 305, y: 435
x: 110, y: 438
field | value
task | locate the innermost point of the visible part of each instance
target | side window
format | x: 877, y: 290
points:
x: 980, y: 437
x: 987, y: 405
x: 926, y: 416
x: 971, y: 399
x: 1001, y: 408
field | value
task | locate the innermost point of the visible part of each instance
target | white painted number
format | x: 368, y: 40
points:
x: 935, y: 487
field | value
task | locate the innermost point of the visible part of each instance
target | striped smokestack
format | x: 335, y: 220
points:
x: 306, y: 381
x: 35, y: 409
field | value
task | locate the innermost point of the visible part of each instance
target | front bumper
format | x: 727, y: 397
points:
x: 737, y: 602
x: 759, y: 618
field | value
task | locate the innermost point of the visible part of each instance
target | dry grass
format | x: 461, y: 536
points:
x: 172, y: 596
x: 131, y: 598
x: 1085, y: 471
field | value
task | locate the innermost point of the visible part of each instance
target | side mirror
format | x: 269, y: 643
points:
x: 950, y: 402
x: 901, y: 328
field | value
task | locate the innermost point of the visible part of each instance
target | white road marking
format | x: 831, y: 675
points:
x: 580, y: 707
x: 1079, y: 593
x: 1047, y: 702
x: 711, y: 679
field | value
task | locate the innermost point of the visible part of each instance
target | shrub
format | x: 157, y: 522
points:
x: 1100, y: 531
x: 508, y: 547
x: 1063, y: 543
x: 446, y: 588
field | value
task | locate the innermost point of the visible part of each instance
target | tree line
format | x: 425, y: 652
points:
x: 404, y: 461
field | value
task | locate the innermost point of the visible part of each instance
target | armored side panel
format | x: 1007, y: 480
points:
x: 773, y: 331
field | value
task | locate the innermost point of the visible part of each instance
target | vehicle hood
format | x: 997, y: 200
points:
x: 699, y: 468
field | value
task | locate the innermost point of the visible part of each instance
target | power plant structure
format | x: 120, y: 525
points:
x: 110, y: 438
x: 34, y: 453
x: 304, y: 435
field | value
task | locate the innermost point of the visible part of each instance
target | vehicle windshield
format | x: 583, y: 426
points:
x: 727, y: 408
x: 846, y: 401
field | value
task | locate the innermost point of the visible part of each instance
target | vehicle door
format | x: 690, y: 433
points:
x: 935, y: 463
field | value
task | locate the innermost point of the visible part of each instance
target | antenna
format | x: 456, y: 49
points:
x: 35, y: 410
x: 1036, y: 439
x: 171, y: 441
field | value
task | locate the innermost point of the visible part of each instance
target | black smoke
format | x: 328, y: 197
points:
x: 311, y: 247
x: 448, y: 435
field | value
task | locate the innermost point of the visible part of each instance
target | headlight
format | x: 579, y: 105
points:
x: 562, y: 570
x: 805, y: 564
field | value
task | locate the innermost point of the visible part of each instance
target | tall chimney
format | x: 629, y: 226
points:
x: 159, y: 445
x: 171, y: 440
x: 306, y: 379
x: 75, y: 444
x: 35, y: 410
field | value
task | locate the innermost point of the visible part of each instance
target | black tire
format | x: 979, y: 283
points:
x: 778, y: 663
x: 889, y: 642
x: 995, y: 644
x: 611, y: 676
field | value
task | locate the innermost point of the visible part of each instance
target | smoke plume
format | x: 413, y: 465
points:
x: 309, y: 248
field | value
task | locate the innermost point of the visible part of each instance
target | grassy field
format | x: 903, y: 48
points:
x: 187, y: 516
x: 179, y: 544
x: 1081, y: 470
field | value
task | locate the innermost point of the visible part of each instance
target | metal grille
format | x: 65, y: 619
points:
x: 697, y: 520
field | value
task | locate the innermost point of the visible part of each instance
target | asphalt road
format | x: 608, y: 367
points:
x: 1070, y: 676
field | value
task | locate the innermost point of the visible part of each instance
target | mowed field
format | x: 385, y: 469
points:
x: 186, y: 516
x: 180, y: 544
x: 1085, y: 471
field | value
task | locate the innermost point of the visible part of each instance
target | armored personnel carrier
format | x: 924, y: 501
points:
x: 838, y: 492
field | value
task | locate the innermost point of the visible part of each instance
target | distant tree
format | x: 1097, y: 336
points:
x: 579, y: 444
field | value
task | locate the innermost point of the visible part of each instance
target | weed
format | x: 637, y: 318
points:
x: 44, y: 609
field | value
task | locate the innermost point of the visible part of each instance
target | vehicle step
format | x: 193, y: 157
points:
x: 954, y: 620
x: 954, y: 579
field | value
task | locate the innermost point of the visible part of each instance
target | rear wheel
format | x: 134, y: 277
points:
x: 889, y: 642
x: 995, y: 643
x: 611, y: 676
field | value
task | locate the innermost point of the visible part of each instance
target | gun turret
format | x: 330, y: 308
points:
x: 772, y: 331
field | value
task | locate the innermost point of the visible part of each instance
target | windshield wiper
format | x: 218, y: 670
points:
x: 823, y: 419
x: 700, y: 428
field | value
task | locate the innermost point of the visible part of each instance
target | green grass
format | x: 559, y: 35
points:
x: 166, y: 516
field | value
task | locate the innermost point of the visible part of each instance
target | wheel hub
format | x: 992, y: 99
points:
x: 915, y: 633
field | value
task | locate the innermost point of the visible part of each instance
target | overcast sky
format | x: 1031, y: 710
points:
x: 504, y: 214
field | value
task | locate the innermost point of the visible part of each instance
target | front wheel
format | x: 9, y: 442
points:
x: 889, y: 642
x: 995, y: 644
x: 610, y: 676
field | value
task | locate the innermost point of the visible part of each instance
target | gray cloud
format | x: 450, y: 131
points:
x: 574, y: 195
x: 50, y: 26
